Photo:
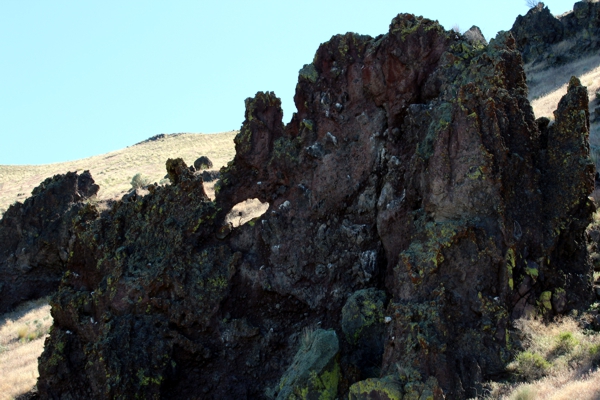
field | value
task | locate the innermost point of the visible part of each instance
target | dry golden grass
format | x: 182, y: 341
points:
x: 113, y: 171
x: 546, y: 94
x: 22, y: 335
x: 543, y: 81
x: 568, y: 386
x: 246, y: 211
x: 558, y: 362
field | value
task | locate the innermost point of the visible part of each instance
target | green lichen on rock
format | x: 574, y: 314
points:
x: 510, y: 266
x: 386, y: 388
x: 309, y: 72
x: 362, y: 311
x: 315, y: 370
x: 545, y: 300
x: 423, y: 257
x: 428, y: 390
x: 441, y: 117
x: 286, y: 151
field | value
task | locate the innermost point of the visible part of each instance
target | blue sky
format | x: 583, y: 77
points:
x: 80, y: 78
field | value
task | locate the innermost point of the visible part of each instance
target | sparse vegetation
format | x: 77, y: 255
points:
x: 139, y: 181
x: 22, y: 334
x: 558, y: 361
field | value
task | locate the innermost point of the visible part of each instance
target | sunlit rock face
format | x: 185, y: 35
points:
x: 415, y: 208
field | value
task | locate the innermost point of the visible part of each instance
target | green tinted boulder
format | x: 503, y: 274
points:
x: 315, y: 371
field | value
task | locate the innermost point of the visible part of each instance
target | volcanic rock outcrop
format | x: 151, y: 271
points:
x: 35, y: 238
x: 537, y: 31
x: 415, y: 208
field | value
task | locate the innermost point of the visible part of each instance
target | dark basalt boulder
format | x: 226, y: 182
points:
x: 537, y: 32
x: 415, y: 207
x: 202, y: 162
x: 209, y: 176
x: 35, y: 237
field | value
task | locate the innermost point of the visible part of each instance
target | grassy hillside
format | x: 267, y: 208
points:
x: 113, y: 171
x: 22, y: 335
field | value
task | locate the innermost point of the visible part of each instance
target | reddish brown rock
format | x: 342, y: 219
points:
x: 413, y: 185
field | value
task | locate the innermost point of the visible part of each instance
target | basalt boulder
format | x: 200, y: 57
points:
x: 35, y: 237
x: 413, y: 199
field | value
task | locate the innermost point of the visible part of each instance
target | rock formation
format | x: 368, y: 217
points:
x: 415, y: 208
x: 202, y: 162
x: 35, y: 238
x: 537, y: 31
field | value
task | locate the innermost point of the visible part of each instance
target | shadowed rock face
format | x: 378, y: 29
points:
x: 413, y: 188
x: 538, y: 30
x: 35, y: 238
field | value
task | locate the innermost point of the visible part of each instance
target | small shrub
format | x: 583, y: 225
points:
x: 524, y: 392
x: 565, y: 343
x: 531, y: 366
x: 139, y: 181
x: 594, y: 349
x: 22, y: 332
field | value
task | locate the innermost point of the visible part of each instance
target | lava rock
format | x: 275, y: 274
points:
x: 36, y: 237
x: 202, y: 163
x: 440, y: 190
x: 314, y: 373
x: 537, y: 32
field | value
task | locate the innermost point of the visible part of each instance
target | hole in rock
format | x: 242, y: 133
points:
x: 245, y: 211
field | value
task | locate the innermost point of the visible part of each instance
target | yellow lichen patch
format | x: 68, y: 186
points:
x: 387, y: 388
x: 424, y: 257
x: 545, y: 300
x: 510, y: 266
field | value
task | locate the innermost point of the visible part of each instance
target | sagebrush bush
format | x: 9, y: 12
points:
x: 565, y: 343
x: 530, y: 366
x: 524, y: 393
x: 139, y: 181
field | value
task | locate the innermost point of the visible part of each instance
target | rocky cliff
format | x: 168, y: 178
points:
x: 35, y: 238
x: 415, y: 208
x: 539, y: 31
